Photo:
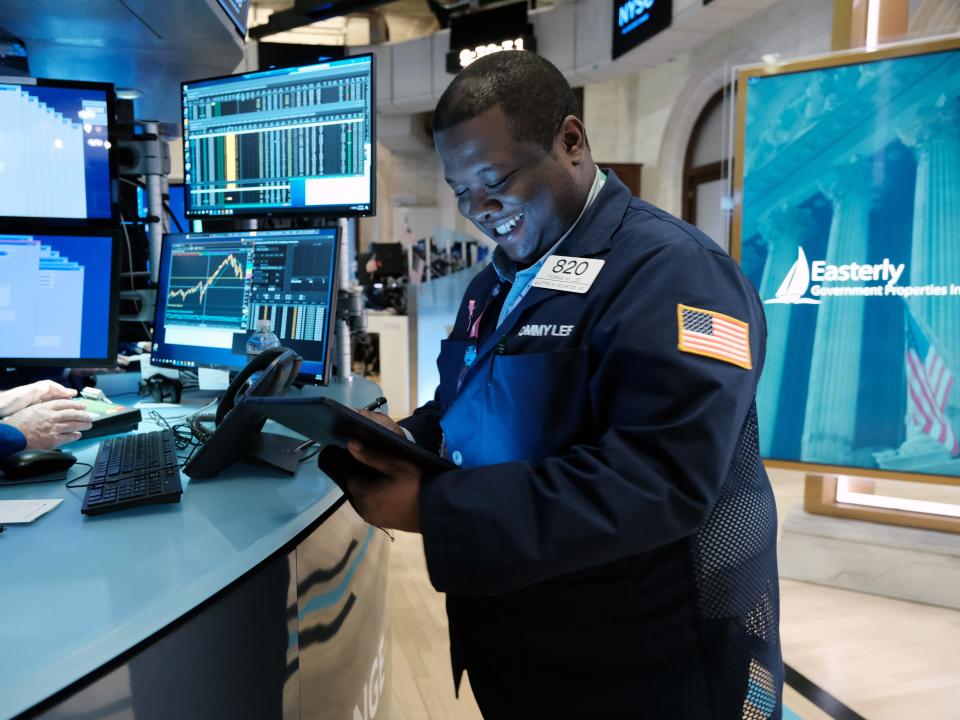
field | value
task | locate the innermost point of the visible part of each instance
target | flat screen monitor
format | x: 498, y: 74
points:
x: 238, y: 11
x: 214, y: 287
x: 56, y: 152
x: 848, y: 228
x: 294, y: 141
x: 58, y: 298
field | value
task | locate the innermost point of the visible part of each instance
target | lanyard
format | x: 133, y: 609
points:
x: 473, y: 332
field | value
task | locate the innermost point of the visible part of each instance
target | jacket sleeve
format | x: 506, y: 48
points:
x: 666, y: 426
x: 424, y: 425
x: 11, y: 440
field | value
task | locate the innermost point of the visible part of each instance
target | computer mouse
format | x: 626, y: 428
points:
x: 31, y: 463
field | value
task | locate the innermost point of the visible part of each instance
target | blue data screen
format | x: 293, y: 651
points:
x: 54, y: 152
x: 55, y: 296
x: 293, y: 140
x: 214, y: 289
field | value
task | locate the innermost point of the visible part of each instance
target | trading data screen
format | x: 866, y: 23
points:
x: 55, y: 151
x: 57, y: 297
x: 292, y: 141
x: 214, y: 287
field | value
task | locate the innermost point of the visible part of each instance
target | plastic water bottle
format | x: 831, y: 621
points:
x: 262, y: 339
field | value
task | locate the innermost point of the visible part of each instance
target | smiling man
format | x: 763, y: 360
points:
x: 607, y: 544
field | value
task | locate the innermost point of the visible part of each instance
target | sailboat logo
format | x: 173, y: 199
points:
x: 795, y: 284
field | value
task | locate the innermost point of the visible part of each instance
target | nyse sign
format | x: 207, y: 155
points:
x: 635, y: 21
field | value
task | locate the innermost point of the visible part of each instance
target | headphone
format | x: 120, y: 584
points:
x: 269, y: 373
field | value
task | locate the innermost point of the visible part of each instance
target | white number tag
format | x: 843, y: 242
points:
x: 570, y: 274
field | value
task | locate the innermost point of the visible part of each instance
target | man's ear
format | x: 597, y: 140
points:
x: 572, y: 139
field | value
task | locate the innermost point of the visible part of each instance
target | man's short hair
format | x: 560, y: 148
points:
x: 532, y: 93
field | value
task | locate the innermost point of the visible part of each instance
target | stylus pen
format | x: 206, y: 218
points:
x: 376, y: 404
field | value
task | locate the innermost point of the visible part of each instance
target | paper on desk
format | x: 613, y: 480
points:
x: 25, y: 511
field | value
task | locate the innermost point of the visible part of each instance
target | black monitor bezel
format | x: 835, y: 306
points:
x: 115, y: 248
x: 305, y: 378
x: 242, y: 32
x: 331, y: 211
x: 19, y: 222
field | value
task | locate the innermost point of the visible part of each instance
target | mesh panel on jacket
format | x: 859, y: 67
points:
x: 734, y: 565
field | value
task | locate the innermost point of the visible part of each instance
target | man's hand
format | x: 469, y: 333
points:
x: 392, y: 501
x: 50, y: 424
x: 382, y: 419
x: 15, y: 400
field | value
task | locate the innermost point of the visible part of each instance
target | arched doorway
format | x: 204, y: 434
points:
x: 704, y: 169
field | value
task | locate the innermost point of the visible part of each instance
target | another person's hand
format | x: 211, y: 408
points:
x: 51, y: 424
x: 382, y: 419
x: 15, y: 400
x: 391, y: 501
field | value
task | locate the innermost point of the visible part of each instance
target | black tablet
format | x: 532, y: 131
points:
x: 332, y: 424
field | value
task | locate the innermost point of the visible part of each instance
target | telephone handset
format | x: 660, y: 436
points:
x: 278, y: 368
x: 238, y: 428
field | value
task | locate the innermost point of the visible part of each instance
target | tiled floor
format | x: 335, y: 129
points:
x: 886, y: 659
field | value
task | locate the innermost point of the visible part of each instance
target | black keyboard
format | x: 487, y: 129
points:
x: 133, y: 470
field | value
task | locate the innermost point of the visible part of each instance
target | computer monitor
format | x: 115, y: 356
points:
x: 238, y: 11
x: 56, y: 152
x: 294, y: 141
x: 58, y: 298
x: 214, y: 287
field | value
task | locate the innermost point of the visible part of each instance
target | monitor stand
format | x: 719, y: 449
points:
x: 279, y: 451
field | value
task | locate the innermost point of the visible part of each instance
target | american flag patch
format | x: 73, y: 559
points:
x: 708, y: 333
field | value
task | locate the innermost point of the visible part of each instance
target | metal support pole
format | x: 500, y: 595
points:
x: 155, y: 155
x: 344, y: 355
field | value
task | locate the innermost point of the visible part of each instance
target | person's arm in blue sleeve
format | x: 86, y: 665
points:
x: 667, y: 425
x: 424, y: 426
x: 11, y: 440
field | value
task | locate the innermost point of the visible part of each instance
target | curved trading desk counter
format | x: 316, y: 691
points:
x: 259, y: 595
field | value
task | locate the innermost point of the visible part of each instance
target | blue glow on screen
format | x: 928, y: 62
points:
x: 32, y: 115
x: 213, y: 287
x: 53, y: 313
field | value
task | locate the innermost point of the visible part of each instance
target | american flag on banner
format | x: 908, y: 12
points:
x: 712, y: 334
x: 929, y: 382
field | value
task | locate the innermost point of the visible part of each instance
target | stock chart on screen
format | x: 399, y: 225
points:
x: 209, y: 287
x: 215, y: 287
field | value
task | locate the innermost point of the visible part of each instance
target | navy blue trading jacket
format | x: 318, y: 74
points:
x: 608, y: 545
x: 11, y: 440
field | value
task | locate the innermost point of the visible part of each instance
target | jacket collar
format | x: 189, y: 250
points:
x: 592, y: 236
